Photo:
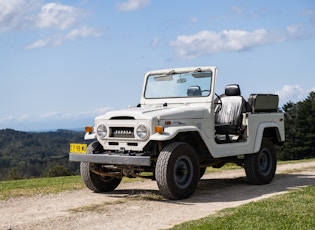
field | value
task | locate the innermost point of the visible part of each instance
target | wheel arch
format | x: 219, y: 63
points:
x: 268, y: 130
x: 191, y: 137
x: 194, y: 139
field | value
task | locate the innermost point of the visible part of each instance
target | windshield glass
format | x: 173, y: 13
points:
x: 172, y: 85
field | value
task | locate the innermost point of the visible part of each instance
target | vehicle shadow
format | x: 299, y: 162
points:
x: 224, y: 190
x: 239, y: 189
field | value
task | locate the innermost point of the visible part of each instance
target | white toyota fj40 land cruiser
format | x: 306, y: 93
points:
x: 179, y: 128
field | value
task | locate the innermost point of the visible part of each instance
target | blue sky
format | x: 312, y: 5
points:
x: 65, y: 62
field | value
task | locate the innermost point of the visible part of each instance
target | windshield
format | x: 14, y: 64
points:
x: 172, y: 85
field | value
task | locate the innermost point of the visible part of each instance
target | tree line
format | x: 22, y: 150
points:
x: 36, y: 154
x: 299, y: 130
x: 45, y: 154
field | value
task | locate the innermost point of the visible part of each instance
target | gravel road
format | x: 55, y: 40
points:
x: 139, y: 205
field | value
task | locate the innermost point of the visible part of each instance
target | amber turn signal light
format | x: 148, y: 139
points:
x: 158, y: 129
x: 89, y: 129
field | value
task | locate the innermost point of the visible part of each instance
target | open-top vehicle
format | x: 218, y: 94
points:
x: 180, y: 127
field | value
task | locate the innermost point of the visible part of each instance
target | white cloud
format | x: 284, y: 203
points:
x: 131, y: 5
x: 84, y: 31
x: 47, y: 18
x: 52, y: 41
x: 37, y: 44
x: 293, y: 93
x: 17, y: 14
x: 209, y: 42
x: 57, y: 40
x: 57, y: 15
x: 22, y: 14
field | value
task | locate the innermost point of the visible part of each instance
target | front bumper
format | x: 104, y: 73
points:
x: 111, y: 159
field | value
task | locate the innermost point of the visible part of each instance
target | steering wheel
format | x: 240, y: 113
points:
x: 205, y: 90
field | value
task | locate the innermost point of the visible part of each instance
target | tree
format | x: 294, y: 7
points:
x: 58, y: 170
x: 300, y: 129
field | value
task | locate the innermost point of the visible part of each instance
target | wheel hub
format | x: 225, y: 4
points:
x: 182, y: 172
x: 264, y: 162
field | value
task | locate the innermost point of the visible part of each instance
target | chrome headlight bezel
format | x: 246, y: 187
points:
x: 142, y: 131
x: 101, y: 131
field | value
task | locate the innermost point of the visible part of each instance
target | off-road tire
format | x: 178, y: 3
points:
x: 177, y: 171
x: 260, y: 168
x: 93, y: 181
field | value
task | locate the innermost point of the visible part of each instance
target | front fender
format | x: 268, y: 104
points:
x: 171, y: 132
x: 90, y: 136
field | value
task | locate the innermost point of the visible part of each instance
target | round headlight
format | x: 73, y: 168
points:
x: 142, y: 131
x: 102, y: 131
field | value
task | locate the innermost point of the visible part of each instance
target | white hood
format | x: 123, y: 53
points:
x: 183, y: 112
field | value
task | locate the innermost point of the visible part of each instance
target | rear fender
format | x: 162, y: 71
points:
x: 260, y: 132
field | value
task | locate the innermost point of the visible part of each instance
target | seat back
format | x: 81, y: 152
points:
x: 194, y: 91
x: 228, y: 119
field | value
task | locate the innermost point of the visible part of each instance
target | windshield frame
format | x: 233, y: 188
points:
x: 178, y: 84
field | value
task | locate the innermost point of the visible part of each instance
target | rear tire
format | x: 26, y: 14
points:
x: 260, y: 168
x: 93, y: 181
x: 177, y: 171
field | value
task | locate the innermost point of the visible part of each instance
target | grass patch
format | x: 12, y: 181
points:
x: 231, y: 166
x: 228, y: 166
x: 30, y: 187
x: 294, y: 210
x: 295, y: 161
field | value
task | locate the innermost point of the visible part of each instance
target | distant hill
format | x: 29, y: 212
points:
x: 37, y: 154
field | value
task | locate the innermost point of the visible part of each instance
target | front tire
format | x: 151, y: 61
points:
x: 177, y: 171
x: 260, y: 168
x: 93, y: 181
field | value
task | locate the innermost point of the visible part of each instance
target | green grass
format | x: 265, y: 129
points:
x: 294, y: 210
x: 29, y: 187
x: 295, y: 161
x: 228, y: 166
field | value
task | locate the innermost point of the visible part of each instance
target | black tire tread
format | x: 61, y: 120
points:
x: 92, y: 180
x: 166, y: 188
x: 252, y: 167
x: 161, y: 169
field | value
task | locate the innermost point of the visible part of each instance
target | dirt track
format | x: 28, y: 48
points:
x: 139, y: 206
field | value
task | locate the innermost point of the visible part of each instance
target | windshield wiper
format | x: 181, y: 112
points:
x: 197, y: 70
x: 170, y: 73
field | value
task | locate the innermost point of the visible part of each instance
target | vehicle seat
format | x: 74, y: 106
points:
x: 228, y: 119
x: 194, y: 91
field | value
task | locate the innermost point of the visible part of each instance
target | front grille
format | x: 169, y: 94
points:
x: 122, y: 132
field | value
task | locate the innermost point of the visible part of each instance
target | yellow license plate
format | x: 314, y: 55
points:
x: 78, y: 148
